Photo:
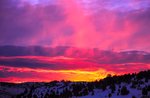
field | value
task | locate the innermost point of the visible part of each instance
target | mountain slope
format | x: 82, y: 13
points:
x: 124, y: 86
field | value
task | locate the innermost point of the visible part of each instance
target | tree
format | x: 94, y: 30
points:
x: 108, y: 75
x: 104, y: 88
x: 34, y: 96
x: 133, y: 97
x: 124, y: 90
x: 92, y: 93
x: 113, y: 88
x: 46, y: 95
x: 109, y: 95
x: 144, y: 91
x: 85, y: 91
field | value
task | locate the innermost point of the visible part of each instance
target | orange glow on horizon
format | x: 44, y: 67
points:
x: 72, y: 75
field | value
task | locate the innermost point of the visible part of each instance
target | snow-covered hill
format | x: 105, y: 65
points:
x: 125, y: 86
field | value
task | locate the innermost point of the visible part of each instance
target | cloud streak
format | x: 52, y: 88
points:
x: 75, y: 65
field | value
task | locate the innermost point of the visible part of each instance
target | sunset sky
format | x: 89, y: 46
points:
x: 83, y: 26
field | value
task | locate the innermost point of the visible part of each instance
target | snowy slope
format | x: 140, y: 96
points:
x: 136, y: 86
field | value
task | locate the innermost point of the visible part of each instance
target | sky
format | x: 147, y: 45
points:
x: 117, y: 25
x: 104, y: 24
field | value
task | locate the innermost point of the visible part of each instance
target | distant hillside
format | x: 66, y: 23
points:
x: 124, y: 86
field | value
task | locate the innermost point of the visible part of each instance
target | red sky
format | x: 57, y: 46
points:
x: 117, y: 25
